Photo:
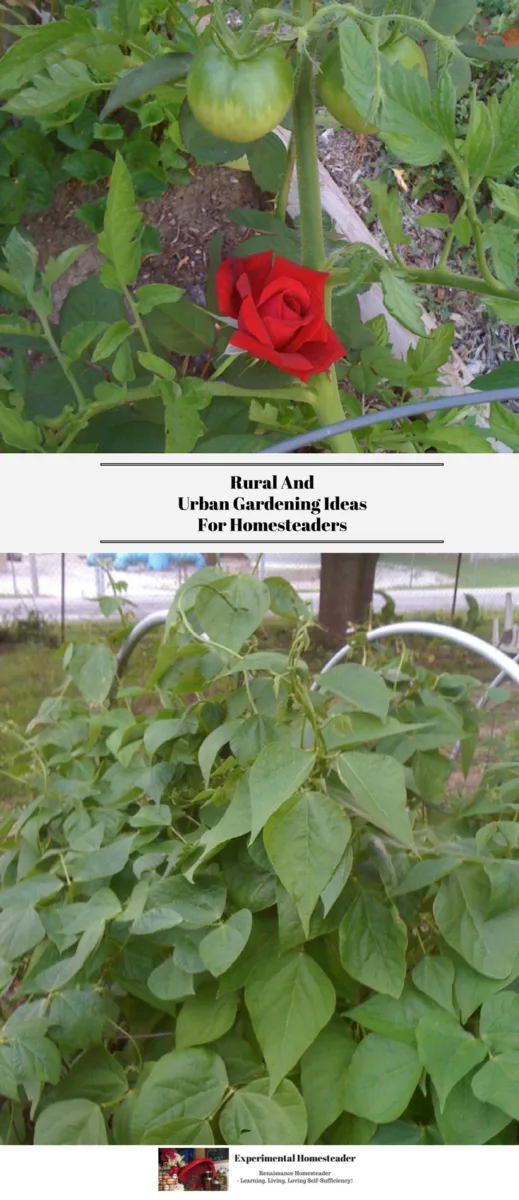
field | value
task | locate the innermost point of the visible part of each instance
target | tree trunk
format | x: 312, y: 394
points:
x: 347, y: 582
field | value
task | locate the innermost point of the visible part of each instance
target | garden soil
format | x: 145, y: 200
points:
x: 481, y: 341
x: 186, y: 218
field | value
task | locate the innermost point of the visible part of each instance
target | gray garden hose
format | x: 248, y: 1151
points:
x: 422, y: 408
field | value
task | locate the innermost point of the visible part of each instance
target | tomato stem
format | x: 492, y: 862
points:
x: 324, y: 386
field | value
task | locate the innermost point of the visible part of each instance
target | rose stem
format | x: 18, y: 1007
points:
x: 324, y: 385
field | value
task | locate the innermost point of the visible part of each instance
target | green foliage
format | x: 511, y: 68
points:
x: 98, y: 95
x: 218, y: 922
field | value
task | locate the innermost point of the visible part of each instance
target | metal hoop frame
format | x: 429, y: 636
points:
x: 506, y: 667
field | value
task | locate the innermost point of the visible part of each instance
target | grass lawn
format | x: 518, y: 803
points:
x: 31, y: 671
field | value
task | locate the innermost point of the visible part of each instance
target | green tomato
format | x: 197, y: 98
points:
x: 239, y: 101
x: 331, y: 83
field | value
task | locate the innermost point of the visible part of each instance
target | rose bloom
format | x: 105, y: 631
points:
x: 280, y: 313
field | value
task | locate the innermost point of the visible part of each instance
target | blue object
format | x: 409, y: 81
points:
x: 154, y: 562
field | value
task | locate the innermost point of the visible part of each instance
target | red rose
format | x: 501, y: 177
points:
x: 280, y: 313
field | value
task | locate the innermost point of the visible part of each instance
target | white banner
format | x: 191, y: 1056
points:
x: 357, y: 1172
x: 293, y: 501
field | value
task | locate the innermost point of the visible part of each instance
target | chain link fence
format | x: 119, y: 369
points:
x: 66, y: 588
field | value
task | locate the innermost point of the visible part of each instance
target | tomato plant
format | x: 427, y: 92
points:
x: 133, y: 99
x: 257, y: 903
x: 240, y: 101
x: 333, y: 90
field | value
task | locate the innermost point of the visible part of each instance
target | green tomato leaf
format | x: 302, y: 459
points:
x: 66, y: 81
x: 16, y: 431
x: 359, y: 68
x: 119, y: 241
x: 400, y: 299
x: 160, y: 69
x: 288, y: 1008
x: 267, y: 161
x: 410, y: 126
x: 387, y: 207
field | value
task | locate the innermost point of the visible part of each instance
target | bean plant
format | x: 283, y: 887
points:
x: 246, y: 903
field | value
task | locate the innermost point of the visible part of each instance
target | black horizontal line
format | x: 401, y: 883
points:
x: 244, y: 466
x: 244, y: 540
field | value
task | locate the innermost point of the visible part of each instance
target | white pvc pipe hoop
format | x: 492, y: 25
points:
x: 448, y: 633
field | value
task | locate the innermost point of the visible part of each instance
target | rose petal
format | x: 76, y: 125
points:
x: 249, y: 321
x: 290, y: 289
x: 314, y: 330
x: 225, y: 287
x: 292, y: 364
x: 323, y: 354
x: 281, y: 333
x: 256, y: 268
x: 313, y: 281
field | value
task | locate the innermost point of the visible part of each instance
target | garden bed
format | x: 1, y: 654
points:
x: 182, y: 153
x: 186, y: 217
x: 482, y: 342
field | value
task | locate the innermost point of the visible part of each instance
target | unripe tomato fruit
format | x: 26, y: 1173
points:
x: 239, y: 101
x: 331, y: 83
